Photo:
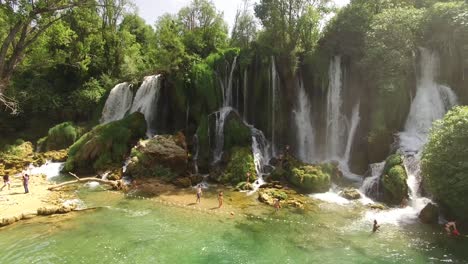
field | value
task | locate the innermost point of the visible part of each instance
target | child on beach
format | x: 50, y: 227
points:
x: 6, y: 181
x: 199, y: 193
x: 26, y: 182
x: 220, y: 199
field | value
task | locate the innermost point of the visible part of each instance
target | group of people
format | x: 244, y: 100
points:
x: 200, y: 192
x: 25, y: 180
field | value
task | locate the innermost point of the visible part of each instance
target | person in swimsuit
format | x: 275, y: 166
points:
x: 220, y: 199
x: 248, y: 177
x: 376, y: 227
x: 6, y: 181
x: 451, y: 228
x: 199, y: 193
x: 277, y: 205
x: 26, y: 183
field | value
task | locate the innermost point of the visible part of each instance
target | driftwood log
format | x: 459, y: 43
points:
x: 116, y: 185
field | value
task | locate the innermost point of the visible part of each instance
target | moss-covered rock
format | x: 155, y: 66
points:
x: 162, y: 156
x: 56, y: 155
x: 269, y: 196
x: 240, y: 162
x: 59, y: 137
x: 14, y: 158
x: 393, y: 181
x: 350, y: 194
x: 310, y: 178
x: 236, y: 133
x: 106, y: 145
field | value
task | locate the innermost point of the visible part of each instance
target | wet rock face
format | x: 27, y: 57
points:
x: 350, y: 194
x: 429, y: 214
x: 163, y: 155
x: 393, y: 181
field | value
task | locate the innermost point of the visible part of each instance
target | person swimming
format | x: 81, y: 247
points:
x: 376, y: 227
x: 451, y: 228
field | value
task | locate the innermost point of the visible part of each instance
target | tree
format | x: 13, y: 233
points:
x: 445, y: 161
x: 204, y: 30
x: 26, y: 22
x: 245, y: 28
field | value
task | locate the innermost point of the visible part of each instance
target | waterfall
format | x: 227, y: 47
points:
x: 261, y: 154
x: 304, y: 130
x: 195, y: 156
x: 335, y: 121
x: 219, y: 132
x: 226, y: 84
x: 274, y: 91
x: 355, y: 118
x: 431, y: 103
x: 370, y: 185
x: 146, y: 100
x: 245, y: 94
x: 118, y: 103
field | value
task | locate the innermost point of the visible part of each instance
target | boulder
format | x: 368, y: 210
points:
x: 240, y: 162
x: 56, y: 155
x: 377, y: 206
x: 59, y: 137
x: 269, y: 196
x: 429, y: 214
x: 161, y: 156
x: 244, y: 186
x: 106, y: 145
x: 393, y: 181
x: 350, y: 194
x: 310, y: 178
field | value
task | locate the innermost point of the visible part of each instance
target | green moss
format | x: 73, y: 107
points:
x: 106, y: 144
x: 237, y: 134
x: 59, y: 137
x: 393, y: 180
x: 241, y: 161
x: 310, y: 178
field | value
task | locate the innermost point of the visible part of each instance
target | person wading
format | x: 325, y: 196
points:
x: 199, y: 193
x: 6, y: 181
x: 376, y: 227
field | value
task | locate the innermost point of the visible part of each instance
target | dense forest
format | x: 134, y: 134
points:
x: 331, y: 84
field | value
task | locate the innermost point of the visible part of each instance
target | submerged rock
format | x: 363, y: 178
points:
x: 106, y: 145
x: 429, y: 214
x: 350, y: 194
x: 393, y: 181
x: 161, y: 156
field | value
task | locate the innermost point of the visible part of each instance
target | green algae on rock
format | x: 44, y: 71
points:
x: 393, y: 181
x: 59, y: 137
x: 105, y: 145
x: 241, y: 162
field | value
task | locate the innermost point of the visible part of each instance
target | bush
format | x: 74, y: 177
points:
x: 241, y: 162
x: 106, y: 145
x: 445, y: 161
x: 310, y: 178
x: 59, y: 137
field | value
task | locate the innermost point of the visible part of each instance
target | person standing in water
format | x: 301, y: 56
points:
x: 26, y: 182
x: 6, y: 181
x: 376, y: 227
x: 248, y: 177
x: 220, y: 199
x: 451, y: 228
x: 277, y: 205
x: 199, y: 193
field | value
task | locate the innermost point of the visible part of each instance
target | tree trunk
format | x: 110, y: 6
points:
x: 116, y: 185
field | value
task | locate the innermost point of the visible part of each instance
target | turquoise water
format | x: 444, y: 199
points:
x: 142, y: 231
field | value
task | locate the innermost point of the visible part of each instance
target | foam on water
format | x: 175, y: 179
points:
x: 50, y: 169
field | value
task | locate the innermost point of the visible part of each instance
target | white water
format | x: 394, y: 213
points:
x: 335, y: 120
x: 304, y: 130
x: 195, y: 156
x: 261, y: 154
x: 370, y: 185
x: 146, y: 100
x: 118, y: 103
x: 226, y: 85
x: 219, y: 135
x: 355, y: 118
x: 431, y: 102
x: 50, y: 169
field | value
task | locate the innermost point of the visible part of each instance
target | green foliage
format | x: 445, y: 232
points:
x: 244, y: 30
x: 393, y: 180
x: 310, y: 178
x: 59, y: 137
x: 105, y: 145
x: 241, y: 161
x: 236, y: 133
x: 445, y: 161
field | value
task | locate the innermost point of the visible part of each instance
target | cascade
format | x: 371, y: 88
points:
x: 50, y: 169
x: 146, y: 100
x: 304, y: 130
x: 335, y: 120
x: 355, y: 118
x: 261, y: 155
x: 219, y: 132
x: 274, y: 91
x: 195, y: 156
x: 245, y: 94
x: 430, y: 103
x: 226, y: 84
x: 118, y: 103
